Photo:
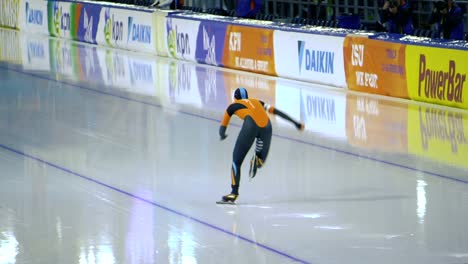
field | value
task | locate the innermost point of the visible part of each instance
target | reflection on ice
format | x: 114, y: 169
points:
x: 8, y: 247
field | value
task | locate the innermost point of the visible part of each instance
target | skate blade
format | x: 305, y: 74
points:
x: 228, y: 202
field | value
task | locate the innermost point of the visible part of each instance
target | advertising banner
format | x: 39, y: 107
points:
x: 9, y: 13
x: 439, y: 134
x: 437, y: 75
x: 88, y: 21
x: 127, y: 29
x: 9, y: 46
x: 62, y: 19
x: 371, y: 125
x: 210, y: 42
x: 249, y: 49
x: 181, y: 36
x: 310, y: 57
x: 141, y: 32
x: 36, y: 52
x: 34, y: 16
x: 375, y: 66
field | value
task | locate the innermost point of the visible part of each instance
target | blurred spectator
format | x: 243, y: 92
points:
x: 448, y: 19
x: 248, y: 8
x: 177, y: 4
x: 398, y: 16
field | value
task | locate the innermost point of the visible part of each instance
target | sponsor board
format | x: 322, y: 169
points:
x: 127, y: 29
x: 438, y: 75
x: 371, y: 125
x: 62, y: 20
x: 439, y: 134
x: 9, y: 43
x: 112, y: 27
x: 310, y: 57
x: 249, y: 49
x: 181, y: 38
x: 210, y: 43
x: 141, y: 33
x: 36, y: 53
x: 88, y: 21
x: 34, y: 16
x: 375, y: 66
x: 10, y: 13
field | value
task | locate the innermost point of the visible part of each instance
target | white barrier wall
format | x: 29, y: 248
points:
x: 310, y: 57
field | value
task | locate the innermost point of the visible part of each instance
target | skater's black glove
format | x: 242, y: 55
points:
x: 299, y: 126
x: 222, y: 133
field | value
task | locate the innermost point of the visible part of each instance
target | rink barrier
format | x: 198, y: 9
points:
x: 388, y: 64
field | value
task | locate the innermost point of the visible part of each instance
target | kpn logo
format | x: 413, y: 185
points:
x: 61, y: 19
x: 311, y: 60
x: 113, y: 29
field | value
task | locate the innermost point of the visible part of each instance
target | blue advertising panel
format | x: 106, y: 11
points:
x: 210, y: 42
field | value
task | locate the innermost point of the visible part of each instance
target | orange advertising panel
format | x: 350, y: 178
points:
x: 370, y: 124
x: 438, y: 75
x: 374, y: 66
x: 249, y: 49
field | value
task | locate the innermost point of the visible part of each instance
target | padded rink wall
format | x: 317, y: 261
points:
x: 394, y: 65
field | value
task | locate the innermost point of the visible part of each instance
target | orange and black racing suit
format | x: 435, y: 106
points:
x: 256, y: 126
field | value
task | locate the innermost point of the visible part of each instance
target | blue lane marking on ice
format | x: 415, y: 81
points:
x: 217, y: 120
x: 155, y: 204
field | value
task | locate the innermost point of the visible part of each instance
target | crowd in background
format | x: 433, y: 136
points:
x: 394, y: 16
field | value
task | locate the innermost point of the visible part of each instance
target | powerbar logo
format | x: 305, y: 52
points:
x: 34, y: 16
x: 441, y: 125
x: 438, y: 84
x: 138, y: 33
x: 315, y: 60
x: 9, y: 10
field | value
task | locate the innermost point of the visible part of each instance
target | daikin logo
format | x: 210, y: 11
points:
x: 34, y: 16
x: 138, y: 33
x: 315, y: 60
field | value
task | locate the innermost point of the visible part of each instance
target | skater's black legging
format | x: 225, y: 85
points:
x: 249, y: 132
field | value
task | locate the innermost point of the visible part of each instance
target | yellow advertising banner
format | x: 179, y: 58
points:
x: 438, y: 134
x: 376, y: 125
x: 437, y: 75
x: 375, y: 66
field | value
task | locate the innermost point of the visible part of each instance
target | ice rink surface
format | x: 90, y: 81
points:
x: 109, y: 156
